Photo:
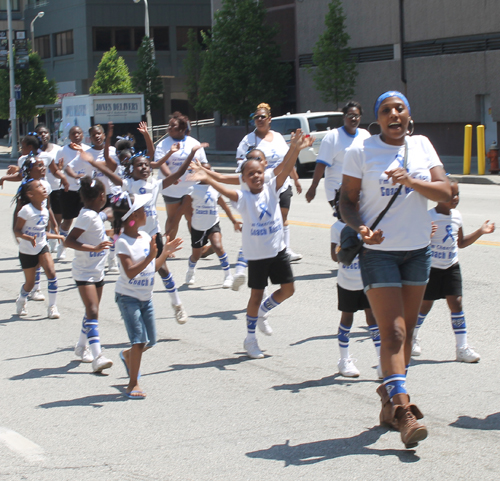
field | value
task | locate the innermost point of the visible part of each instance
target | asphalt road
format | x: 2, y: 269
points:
x: 214, y: 414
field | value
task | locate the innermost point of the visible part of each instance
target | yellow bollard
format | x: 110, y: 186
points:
x: 467, y: 148
x: 481, y: 155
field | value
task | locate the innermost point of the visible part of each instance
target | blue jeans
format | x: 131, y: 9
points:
x: 139, y: 317
x: 394, y: 268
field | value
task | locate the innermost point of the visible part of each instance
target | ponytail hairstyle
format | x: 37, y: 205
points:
x: 28, y: 164
x: 90, y: 189
x: 121, y: 204
x: 125, y: 147
x: 32, y: 140
x: 22, y: 193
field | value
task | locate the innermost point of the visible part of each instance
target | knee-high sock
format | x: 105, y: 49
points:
x: 224, y: 264
x: 395, y: 384
x: 92, y: 327
x: 169, y: 284
x: 286, y: 234
x: 343, y: 339
x: 52, y: 291
x: 83, y: 340
x: 251, y: 324
x: 36, y: 287
x: 267, y: 305
x: 459, y: 328
x: 241, y: 263
x: 375, y: 333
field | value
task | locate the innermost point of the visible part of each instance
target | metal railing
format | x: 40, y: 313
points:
x: 161, y: 131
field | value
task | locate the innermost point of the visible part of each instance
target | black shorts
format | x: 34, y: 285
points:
x: 200, y: 238
x: 352, y: 301
x: 286, y: 198
x: 278, y: 269
x: 171, y: 200
x: 88, y: 283
x: 108, y: 201
x: 55, y: 201
x: 444, y: 282
x: 71, y: 204
x: 159, y: 243
x: 28, y: 261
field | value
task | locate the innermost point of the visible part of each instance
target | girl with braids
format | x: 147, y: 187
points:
x: 139, y: 260
x: 88, y: 239
x: 31, y: 223
x: 137, y: 180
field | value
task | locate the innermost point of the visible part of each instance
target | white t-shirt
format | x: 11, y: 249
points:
x: 205, y: 209
x: 141, y: 286
x: 36, y: 223
x: 175, y: 161
x: 89, y: 266
x: 274, y: 151
x: 348, y: 277
x: 444, y: 242
x: 72, y: 157
x: 152, y: 186
x: 331, y: 153
x: 99, y: 157
x: 262, y: 222
x: 406, y: 225
x: 48, y: 158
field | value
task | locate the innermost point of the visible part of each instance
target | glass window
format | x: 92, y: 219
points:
x: 14, y: 4
x: 325, y: 122
x: 102, y: 39
x: 138, y: 36
x: 42, y: 46
x: 161, y: 38
x: 64, y: 43
x: 278, y: 126
x: 123, y: 39
x: 291, y: 126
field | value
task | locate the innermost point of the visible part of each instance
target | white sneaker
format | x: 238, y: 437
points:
x: 467, y: 354
x: 21, y: 306
x: 238, y: 280
x: 347, y: 368
x: 416, y: 350
x: 180, y: 314
x: 36, y: 295
x: 61, y: 252
x: 113, y: 266
x: 189, y: 277
x: 53, y: 313
x: 264, y: 326
x: 84, y: 353
x: 252, y: 348
x: 294, y: 256
x: 100, y: 363
x: 228, y: 282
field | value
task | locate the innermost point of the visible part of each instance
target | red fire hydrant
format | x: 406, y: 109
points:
x: 493, y: 156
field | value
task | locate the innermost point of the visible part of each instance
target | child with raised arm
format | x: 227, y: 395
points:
x: 134, y: 288
x: 263, y: 242
x: 445, y: 280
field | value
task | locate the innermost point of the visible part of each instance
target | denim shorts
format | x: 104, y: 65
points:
x: 139, y: 317
x: 394, y: 268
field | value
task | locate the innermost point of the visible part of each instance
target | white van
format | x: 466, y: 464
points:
x: 316, y: 124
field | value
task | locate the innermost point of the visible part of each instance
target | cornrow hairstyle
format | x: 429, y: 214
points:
x: 22, y: 193
x: 90, y: 188
x: 352, y: 104
x: 28, y: 164
x: 121, y: 206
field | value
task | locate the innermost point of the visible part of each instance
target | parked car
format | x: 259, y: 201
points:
x: 313, y: 123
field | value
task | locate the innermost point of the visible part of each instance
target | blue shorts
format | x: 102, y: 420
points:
x: 394, y: 268
x: 139, y: 317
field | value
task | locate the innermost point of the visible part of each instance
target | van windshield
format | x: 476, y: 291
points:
x: 325, y: 122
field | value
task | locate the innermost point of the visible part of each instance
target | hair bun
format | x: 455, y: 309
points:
x: 265, y: 106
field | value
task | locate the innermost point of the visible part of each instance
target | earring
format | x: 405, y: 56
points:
x: 411, y: 125
x: 131, y: 223
x: 369, y: 127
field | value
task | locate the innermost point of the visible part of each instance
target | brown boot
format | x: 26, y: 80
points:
x: 387, y: 417
x: 411, y: 430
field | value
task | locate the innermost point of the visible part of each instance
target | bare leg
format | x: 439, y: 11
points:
x: 133, y: 358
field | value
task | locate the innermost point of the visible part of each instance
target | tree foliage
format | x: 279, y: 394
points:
x: 334, y: 73
x: 112, y: 75
x: 146, y: 79
x: 241, y: 63
x: 36, y: 89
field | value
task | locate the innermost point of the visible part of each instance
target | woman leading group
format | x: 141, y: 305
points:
x: 395, y: 260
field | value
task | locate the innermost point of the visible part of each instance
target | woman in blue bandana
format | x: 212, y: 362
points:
x: 395, y: 259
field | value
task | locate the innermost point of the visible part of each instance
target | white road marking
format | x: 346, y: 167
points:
x: 21, y: 445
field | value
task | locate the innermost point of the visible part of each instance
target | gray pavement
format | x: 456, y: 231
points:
x: 214, y: 414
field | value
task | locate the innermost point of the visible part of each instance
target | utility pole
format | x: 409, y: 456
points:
x: 12, y: 100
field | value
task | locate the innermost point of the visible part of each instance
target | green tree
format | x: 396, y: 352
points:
x: 146, y: 79
x: 36, y: 89
x: 112, y: 75
x: 192, y: 66
x: 241, y: 65
x: 334, y: 73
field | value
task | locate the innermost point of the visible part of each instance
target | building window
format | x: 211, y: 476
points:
x: 42, y: 46
x: 161, y: 38
x: 64, y: 43
x: 182, y: 35
x: 138, y: 36
x: 103, y: 39
x: 14, y: 4
x: 126, y: 39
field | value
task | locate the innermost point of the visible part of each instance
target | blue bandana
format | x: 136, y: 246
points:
x: 386, y: 95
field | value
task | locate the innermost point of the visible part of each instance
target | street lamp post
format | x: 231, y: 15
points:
x: 32, y: 30
x: 12, y: 100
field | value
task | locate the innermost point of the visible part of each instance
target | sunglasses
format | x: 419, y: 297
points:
x: 260, y: 117
x: 353, y: 116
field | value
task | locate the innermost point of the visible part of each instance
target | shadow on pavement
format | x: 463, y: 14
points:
x: 224, y: 315
x: 48, y: 372
x: 95, y: 401
x: 335, y: 379
x: 489, y: 423
x: 312, y: 277
x: 318, y: 451
x: 220, y: 364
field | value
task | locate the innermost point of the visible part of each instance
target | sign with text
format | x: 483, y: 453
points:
x: 119, y: 111
x: 4, y: 49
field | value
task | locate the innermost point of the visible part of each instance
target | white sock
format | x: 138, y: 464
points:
x: 286, y: 234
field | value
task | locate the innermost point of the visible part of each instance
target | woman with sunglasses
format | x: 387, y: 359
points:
x: 396, y: 258
x: 332, y: 150
x: 274, y: 147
